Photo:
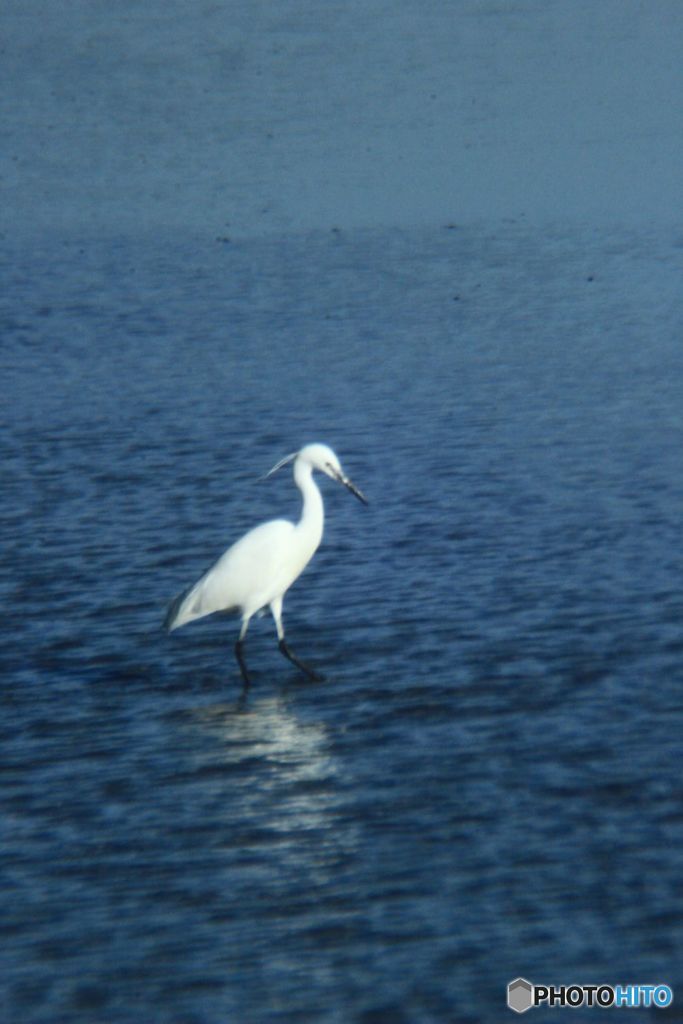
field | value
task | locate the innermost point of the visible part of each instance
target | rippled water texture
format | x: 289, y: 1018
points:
x: 488, y: 783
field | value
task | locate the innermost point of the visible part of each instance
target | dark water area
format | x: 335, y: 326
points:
x: 488, y: 782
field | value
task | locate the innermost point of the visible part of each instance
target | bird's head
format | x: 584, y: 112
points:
x: 322, y: 458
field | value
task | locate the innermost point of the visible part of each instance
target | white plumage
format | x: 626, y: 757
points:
x: 258, y: 569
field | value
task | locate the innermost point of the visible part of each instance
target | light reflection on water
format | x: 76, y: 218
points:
x: 265, y: 730
x: 295, y: 793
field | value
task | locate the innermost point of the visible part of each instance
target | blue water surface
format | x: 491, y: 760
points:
x: 488, y: 782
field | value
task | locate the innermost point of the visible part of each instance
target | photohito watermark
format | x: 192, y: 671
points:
x: 522, y: 995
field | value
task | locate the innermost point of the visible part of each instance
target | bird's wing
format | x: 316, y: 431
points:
x: 248, y: 571
x: 243, y: 577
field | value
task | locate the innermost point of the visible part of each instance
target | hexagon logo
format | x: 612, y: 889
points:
x: 520, y: 995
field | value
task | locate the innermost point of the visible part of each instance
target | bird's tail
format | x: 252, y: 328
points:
x: 180, y: 610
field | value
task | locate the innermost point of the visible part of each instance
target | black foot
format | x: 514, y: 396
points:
x: 240, y: 661
x: 310, y: 672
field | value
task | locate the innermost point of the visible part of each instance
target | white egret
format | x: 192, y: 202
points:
x: 258, y: 569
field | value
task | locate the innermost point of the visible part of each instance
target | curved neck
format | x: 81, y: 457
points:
x: 312, y: 514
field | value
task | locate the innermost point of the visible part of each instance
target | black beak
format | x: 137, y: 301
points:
x: 350, y: 486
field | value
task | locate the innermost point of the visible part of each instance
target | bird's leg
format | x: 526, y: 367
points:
x: 239, y: 648
x: 239, y: 654
x: 276, y: 611
x: 288, y: 653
